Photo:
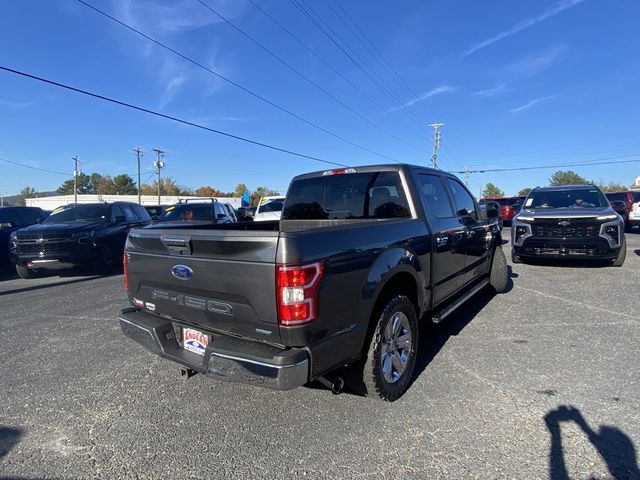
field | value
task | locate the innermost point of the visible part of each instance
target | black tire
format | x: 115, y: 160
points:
x: 514, y: 257
x: 628, y: 228
x: 367, y: 376
x: 499, y: 275
x: 25, y: 272
x: 106, y: 260
x: 619, y: 261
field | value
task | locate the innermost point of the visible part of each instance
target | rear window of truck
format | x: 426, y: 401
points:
x: 347, y: 196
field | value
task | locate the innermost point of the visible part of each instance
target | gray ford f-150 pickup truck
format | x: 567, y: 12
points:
x: 332, y: 290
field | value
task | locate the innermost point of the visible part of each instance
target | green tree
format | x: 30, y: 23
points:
x: 524, y: 192
x: 123, y: 185
x: 239, y: 190
x: 490, y: 190
x: 26, y: 192
x: 260, y: 192
x: 168, y: 186
x: 612, y: 187
x: 567, y: 177
x: 84, y: 185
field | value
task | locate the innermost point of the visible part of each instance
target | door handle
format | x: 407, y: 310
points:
x: 441, y: 241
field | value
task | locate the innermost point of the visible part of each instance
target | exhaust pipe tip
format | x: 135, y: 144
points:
x: 336, y: 385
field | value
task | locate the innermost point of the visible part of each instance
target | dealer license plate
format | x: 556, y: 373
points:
x: 194, y: 340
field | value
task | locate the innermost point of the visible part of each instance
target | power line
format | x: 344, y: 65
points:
x: 235, y: 84
x: 169, y: 117
x: 32, y: 167
x: 540, y: 167
x: 334, y: 70
x: 302, y: 75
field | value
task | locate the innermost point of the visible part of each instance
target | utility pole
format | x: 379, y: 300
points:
x: 159, y: 164
x: 75, y: 179
x: 437, y: 136
x: 466, y: 175
x: 138, y: 154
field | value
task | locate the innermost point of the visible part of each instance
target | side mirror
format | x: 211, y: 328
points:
x: 492, y: 212
x: 118, y: 219
x: 220, y: 216
x: 618, y: 204
x: 6, y: 225
x: 516, y: 207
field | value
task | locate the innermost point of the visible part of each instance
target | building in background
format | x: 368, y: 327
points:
x: 49, y: 203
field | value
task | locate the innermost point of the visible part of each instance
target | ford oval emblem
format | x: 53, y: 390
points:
x: 182, y: 272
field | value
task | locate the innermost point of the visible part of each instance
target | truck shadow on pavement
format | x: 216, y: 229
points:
x: 612, y: 444
x: 9, y: 438
x: 61, y: 275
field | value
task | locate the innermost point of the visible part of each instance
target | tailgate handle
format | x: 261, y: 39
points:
x: 178, y: 245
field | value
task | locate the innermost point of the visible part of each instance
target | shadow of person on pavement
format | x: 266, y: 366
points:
x: 613, y: 445
x: 9, y: 437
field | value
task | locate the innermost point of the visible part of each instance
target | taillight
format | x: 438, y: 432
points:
x: 297, y: 292
x: 125, y: 268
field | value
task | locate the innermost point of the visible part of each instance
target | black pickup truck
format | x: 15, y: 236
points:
x: 359, y: 255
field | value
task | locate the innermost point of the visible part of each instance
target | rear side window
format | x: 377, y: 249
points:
x: 616, y: 197
x: 465, y: 206
x: 141, y: 213
x: 350, y: 196
x: 29, y: 216
x: 435, y: 197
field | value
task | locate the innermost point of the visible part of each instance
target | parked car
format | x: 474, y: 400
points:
x: 11, y: 220
x: 571, y: 221
x: 634, y: 214
x: 154, y: 211
x: 507, y: 212
x: 269, y: 208
x: 491, y: 209
x: 246, y: 214
x: 197, y: 211
x: 76, y: 234
x: 359, y: 255
x: 623, y: 202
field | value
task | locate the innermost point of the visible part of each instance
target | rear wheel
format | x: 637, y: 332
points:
x: 499, y: 276
x: 106, y: 260
x: 515, y: 258
x: 387, y: 369
x: 622, y: 255
x: 25, y: 272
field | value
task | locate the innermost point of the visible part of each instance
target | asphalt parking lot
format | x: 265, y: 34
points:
x: 540, y: 382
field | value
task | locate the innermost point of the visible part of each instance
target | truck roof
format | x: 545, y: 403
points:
x: 386, y: 167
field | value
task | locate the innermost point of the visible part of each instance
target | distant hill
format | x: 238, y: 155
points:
x: 12, y: 199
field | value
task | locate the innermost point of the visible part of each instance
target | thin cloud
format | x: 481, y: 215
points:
x: 493, y: 92
x: 534, y: 64
x: 428, y: 94
x: 14, y: 104
x: 553, y: 10
x: 532, y: 103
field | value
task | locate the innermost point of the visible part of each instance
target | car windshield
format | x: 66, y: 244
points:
x: 271, y: 205
x: 570, y: 198
x: 78, y: 214
x: 187, y: 211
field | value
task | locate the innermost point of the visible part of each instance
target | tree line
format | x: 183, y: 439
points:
x: 99, y: 184
x: 560, y: 177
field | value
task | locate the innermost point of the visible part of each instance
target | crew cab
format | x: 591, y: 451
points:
x: 332, y: 291
x: 201, y: 211
x: 571, y: 221
x: 76, y: 234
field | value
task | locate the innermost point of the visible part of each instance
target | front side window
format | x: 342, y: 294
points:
x: 465, y: 206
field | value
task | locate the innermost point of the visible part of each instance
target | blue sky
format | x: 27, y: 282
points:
x: 516, y: 84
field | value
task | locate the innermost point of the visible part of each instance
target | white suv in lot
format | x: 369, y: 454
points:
x: 269, y: 208
x: 634, y: 214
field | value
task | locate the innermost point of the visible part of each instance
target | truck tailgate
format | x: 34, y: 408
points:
x: 221, y: 280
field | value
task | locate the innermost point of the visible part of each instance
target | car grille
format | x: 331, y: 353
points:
x: 584, y: 252
x: 575, y: 229
x: 43, y: 245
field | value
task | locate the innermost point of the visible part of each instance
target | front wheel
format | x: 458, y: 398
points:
x: 499, y: 276
x: 388, y: 367
x: 622, y: 255
x: 515, y: 258
x: 25, y: 272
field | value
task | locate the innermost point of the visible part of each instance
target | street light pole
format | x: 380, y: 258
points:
x: 159, y: 164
